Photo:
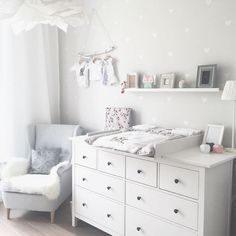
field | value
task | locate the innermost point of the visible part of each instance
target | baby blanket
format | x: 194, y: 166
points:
x: 139, y: 140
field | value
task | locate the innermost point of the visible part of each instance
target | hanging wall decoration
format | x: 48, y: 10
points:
x: 94, y: 62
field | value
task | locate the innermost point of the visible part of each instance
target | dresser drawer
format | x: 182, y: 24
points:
x: 85, y: 156
x: 105, y: 212
x: 111, y: 163
x: 173, y: 208
x: 138, y: 224
x: 141, y: 171
x: 112, y: 187
x: 179, y: 180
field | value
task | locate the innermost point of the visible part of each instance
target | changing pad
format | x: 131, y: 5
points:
x: 140, y: 139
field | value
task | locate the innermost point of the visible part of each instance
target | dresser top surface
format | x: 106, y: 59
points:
x: 191, y: 156
x: 194, y: 157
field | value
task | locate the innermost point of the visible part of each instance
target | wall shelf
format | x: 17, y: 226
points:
x: 173, y: 90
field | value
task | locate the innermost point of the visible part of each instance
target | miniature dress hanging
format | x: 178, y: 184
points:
x: 81, y: 69
x: 109, y: 77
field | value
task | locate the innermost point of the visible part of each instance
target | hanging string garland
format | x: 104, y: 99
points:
x: 86, y: 50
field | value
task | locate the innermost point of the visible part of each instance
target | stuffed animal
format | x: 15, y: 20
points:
x: 123, y: 86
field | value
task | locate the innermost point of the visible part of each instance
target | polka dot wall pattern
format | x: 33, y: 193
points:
x: 159, y: 36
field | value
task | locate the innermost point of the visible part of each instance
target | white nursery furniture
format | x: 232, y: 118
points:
x: 184, y: 193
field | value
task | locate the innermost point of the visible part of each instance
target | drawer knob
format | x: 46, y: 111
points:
x: 138, y: 228
x: 84, y: 204
x: 84, y: 157
x: 139, y: 171
x: 108, y: 163
x: 108, y: 215
x: 176, y: 211
x: 84, y: 179
x: 108, y: 187
x: 176, y: 181
x: 138, y: 198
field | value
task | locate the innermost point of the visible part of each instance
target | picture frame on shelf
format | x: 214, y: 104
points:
x: 206, y: 76
x: 167, y: 80
x: 132, y: 80
x: 213, y: 134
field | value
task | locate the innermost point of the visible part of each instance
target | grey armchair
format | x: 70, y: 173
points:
x: 45, y: 136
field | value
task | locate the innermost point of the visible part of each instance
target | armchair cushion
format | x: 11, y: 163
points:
x: 42, y: 160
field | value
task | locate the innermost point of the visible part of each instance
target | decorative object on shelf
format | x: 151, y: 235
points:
x: 27, y: 14
x: 123, y: 86
x: 229, y: 94
x: 167, y: 80
x: 149, y: 81
x: 182, y: 83
x: 132, y: 80
x: 218, y: 148
x: 205, y: 148
x: 206, y: 76
x: 213, y: 134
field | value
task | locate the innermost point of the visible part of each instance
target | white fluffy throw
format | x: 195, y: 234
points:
x: 47, y: 185
x: 14, y: 167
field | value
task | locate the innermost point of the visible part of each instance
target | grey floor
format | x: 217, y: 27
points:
x: 38, y: 223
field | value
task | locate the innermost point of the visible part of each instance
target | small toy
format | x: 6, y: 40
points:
x: 211, y: 145
x: 205, y: 148
x: 182, y: 83
x: 123, y: 86
x: 217, y: 148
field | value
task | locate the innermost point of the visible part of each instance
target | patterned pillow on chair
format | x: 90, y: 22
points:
x: 42, y: 160
x: 117, y: 118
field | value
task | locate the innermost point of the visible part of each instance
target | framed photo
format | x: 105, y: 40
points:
x: 167, y: 80
x: 206, y: 76
x: 213, y: 134
x: 132, y: 80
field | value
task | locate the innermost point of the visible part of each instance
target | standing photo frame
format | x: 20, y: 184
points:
x: 213, y: 134
x: 206, y: 76
x: 132, y: 80
x: 167, y: 80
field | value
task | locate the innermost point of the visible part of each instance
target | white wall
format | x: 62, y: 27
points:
x: 156, y: 36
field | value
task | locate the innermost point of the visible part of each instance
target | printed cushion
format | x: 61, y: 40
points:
x: 117, y: 118
x: 42, y: 160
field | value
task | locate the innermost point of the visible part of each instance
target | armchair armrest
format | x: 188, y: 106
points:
x: 61, y: 168
x: 15, y: 167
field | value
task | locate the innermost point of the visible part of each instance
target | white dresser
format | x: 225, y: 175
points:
x: 184, y: 194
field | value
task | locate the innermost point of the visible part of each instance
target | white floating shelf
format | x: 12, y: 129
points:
x: 173, y: 90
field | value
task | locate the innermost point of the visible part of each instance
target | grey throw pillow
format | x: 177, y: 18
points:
x: 42, y: 160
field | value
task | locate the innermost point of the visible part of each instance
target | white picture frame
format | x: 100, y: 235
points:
x: 132, y: 80
x: 213, y: 134
x: 167, y: 80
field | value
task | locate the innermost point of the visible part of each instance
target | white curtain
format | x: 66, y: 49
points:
x: 29, y: 85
